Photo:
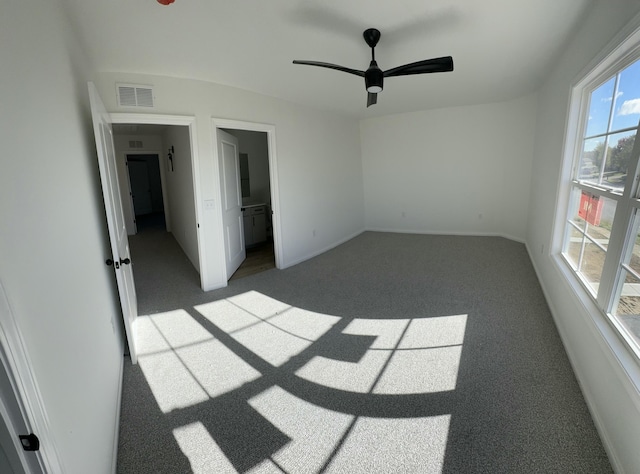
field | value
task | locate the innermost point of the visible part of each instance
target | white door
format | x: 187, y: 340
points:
x: 229, y: 157
x: 121, y: 259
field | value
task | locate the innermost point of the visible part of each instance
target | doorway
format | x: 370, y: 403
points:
x: 155, y: 171
x: 255, y: 187
x: 146, y: 192
x: 257, y: 181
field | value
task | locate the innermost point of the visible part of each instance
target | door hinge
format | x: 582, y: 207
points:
x: 30, y: 442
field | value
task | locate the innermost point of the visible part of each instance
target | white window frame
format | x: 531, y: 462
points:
x: 623, y: 51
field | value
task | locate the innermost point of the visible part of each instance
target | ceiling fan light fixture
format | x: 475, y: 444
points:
x: 374, y: 78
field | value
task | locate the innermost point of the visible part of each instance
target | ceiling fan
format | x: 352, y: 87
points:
x: 374, y: 76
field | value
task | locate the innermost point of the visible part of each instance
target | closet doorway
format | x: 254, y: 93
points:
x: 255, y: 186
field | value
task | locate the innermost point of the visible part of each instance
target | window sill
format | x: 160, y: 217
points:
x: 605, y: 329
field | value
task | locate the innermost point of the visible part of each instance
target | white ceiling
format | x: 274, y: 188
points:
x: 501, y: 48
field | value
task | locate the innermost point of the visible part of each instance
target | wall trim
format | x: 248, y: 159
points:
x: 462, y: 234
x: 14, y: 354
x: 116, y: 436
x: 325, y: 249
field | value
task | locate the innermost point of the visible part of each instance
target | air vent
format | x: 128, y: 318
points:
x: 131, y: 95
x: 135, y: 144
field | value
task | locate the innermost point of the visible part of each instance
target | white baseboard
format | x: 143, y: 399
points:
x: 457, y: 233
x: 584, y: 388
x: 397, y: 231
x: 116, y: 437
x: 321, y: 251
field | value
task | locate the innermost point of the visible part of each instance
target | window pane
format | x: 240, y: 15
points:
x: 600, y: 108
x: 627, y: 108
x: 632, y: 255
x: 598, y: 211
x: 618, y: 158
x: 573, y: 248
x: 574, y: 214
x: 591, y: 160
x: 585, y: 247
x: 592, y: 263
x: 594, y: 214
x: 628, y: 312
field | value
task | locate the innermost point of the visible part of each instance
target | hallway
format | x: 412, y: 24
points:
x: 155, y: 252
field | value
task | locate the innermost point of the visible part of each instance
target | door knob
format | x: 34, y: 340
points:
x: 126, y: 261
x: 109, y: 262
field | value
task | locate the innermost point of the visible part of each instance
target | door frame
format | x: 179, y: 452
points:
x: 270, y: 130
x: 163, y: 185
x: 25, y: 402
x: 188, y: 121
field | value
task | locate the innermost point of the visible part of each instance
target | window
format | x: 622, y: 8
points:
x: 602, y: 226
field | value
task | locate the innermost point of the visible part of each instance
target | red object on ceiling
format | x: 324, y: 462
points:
x: 166, y: 2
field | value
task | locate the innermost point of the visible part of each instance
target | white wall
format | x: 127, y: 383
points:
x: 180, y: 192
x: 462, y: 170
x: 318, y: 164
x: 53, y: 237
x: 152, y: 144
x: 614, y: 400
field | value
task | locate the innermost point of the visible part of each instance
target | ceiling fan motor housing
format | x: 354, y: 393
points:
x: 374, y: 78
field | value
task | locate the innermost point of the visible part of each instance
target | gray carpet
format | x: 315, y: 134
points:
x: 392, y: 353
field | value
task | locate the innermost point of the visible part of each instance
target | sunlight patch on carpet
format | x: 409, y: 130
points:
x: 184, y: 364
x: 356, y: 377
x: 272, y: 330
x: 204, y: 454
x: 407, y: 356
x: 382, y: 445
x: 314, y: 431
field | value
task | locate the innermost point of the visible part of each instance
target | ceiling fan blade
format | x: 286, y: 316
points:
x: 331, y: 66
x: 444, y: 64
x: 372, y: 98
